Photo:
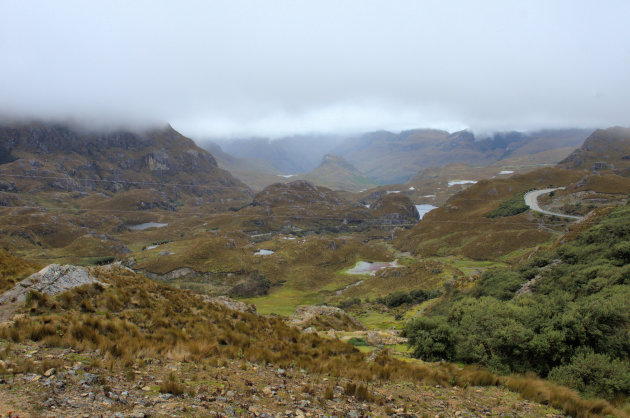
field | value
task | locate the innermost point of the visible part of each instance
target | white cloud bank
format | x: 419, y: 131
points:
x: 226, y: 68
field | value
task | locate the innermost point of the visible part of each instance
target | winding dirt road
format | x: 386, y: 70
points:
x: 531, y: 200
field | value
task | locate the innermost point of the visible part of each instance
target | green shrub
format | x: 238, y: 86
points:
x: 499, y: 283
x: 357, y: 342
x: 513, y: 206
x: 595, y: 375
x: 414, y: 297
x: 433, y: 338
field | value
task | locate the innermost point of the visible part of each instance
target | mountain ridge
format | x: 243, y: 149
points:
x: 59, y: 157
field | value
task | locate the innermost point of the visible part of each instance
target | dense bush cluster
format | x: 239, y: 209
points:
x: 513, y: 206
x: 255, y: 285
x: 414, y: 297
x: 570, y: 322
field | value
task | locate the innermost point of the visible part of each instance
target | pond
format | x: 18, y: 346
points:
x: 424, y: 209
x: 455, y: 182
x: 147, y: 225
x: 264, y: 252
x: 366, y: 267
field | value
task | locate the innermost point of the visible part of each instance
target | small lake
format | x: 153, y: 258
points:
x: 424, y: 209
x: 263, y: 252
x: 455, y: 182
x: 366, y: 267
x: 142, y: 227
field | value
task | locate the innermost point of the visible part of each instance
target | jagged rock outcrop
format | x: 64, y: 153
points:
x: 50, y: 280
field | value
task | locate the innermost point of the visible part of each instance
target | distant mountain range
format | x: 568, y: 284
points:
x: 394, y: 158
x: 389, y: 158
x: 290, y: 155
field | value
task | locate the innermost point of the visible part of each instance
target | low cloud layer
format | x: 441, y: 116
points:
x: 273, y: 68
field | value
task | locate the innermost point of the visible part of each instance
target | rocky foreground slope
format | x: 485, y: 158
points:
x: 126, y: 346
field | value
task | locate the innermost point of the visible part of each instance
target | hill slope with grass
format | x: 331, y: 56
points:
x: 563, y: 314
x: 338, y: 174
x: 254, y: 172
x: 463, y: 226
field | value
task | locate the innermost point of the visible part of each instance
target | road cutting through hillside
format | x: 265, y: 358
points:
x: 531, y: 200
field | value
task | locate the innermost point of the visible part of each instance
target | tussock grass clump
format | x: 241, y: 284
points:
x: 172, y: 386
x: 360, y: 391
x: 569, y: 401
x: 329, y: 392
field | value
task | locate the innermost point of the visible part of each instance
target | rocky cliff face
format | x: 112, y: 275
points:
x: 41, y: 156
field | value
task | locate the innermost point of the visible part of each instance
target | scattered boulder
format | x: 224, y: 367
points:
x: 231, y: 304
x: 323, y: 317
x: 383, y: 338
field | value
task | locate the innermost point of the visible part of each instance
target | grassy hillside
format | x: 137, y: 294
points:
x: 13, y: 269
x: 462, y: 226
x: 563, y: 314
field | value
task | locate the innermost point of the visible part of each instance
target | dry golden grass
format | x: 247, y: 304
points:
x: 461, y: 228
x: 13, y: 269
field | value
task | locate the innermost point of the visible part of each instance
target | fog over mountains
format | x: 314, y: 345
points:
x: 280, y: 68
x: 388, y: 157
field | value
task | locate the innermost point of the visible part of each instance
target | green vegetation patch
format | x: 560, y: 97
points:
x: 513, y: 206
x: 564, y: 314
x: 357, y: 342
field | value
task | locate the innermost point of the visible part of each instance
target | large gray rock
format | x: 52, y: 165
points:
x: 51, y: 280
x: 233, y: 304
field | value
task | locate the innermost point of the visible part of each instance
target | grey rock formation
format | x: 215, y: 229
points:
x: 51, y: 280
x: 231, y: 304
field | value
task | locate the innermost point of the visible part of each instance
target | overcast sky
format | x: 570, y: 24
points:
x: 272, y: 68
